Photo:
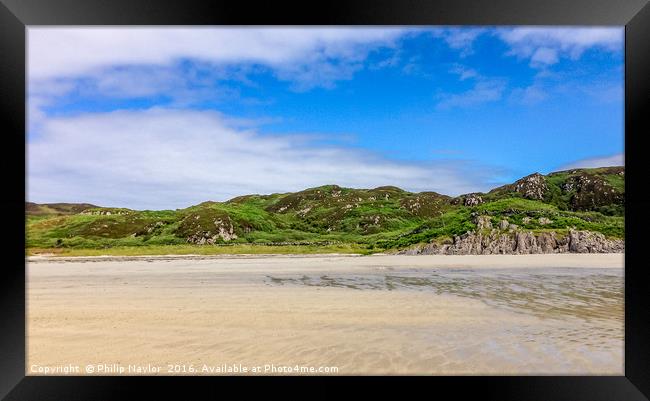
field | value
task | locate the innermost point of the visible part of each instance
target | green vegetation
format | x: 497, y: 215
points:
x: 331, y: 218
x: 188, y: 249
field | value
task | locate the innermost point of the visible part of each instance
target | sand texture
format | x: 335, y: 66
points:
x: 497, y: 314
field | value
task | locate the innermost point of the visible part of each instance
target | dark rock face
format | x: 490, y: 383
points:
x: 520, y: 242
x: 591, y: 191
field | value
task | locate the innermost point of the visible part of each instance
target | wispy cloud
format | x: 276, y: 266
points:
x: 460, y: 38
x: 544, y: 56
x: 604, y: 161
x: 529, y: 95
x: 484, y: 89
x: 463, y: 72
x: 165, y: 158
x: 544, y: 46
x: 605, y: 92
x: 594, y: 89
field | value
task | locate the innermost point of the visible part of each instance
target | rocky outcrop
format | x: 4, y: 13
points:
x: 521, y: 242
x: 532, y: 186
x: 472, y: 199
x: 106, y: 212
x: 590, y: 242
x: 483, y: 222
x: 591, y: 191
x: 225, y: 231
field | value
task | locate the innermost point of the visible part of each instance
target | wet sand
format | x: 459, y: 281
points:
x: 384, y: 314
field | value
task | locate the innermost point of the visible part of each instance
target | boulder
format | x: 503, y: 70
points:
x: 483, y: 222
x: 472, y: 200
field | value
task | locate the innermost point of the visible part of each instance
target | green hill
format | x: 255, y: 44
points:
x: 360, y: 220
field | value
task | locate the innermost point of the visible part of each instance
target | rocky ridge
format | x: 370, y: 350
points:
x: 519, y: 242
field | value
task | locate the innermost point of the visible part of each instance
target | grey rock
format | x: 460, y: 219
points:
x: 520, y: 242
x: 532, y: 187
x: 472, y: 200
x: 483, y: 222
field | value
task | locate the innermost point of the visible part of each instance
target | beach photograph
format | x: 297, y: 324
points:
x: 377, y: 200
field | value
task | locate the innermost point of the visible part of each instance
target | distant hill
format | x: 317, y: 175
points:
x: 383, y: 218
x: 56, y: 208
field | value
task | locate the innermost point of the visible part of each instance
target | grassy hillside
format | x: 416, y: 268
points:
x: 333, y: 219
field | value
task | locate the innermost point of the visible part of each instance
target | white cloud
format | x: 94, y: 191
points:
x: 484, y: 90
x: 544, y: 45
x: 121, y: 62
x: 166, y: 158
x: 592, y: 88
x: 65, y: 52
x: 135, y: 82
x: 544, y: 56
x: 460, y: 38
x: 605, y: 161
x: 463, y: 72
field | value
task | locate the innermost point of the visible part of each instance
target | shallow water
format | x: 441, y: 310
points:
x: 555, y: 293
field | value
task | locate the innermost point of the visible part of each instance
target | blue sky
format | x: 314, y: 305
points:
x: 169, y: 117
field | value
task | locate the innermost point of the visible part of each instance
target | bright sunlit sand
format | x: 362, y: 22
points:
x: 363, y: 315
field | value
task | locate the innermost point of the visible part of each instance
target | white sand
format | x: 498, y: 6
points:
x: 195, y: 311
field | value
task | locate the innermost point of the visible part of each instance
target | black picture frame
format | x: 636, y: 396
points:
x: 16, y: 15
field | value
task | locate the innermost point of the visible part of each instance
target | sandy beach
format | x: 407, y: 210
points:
x: 382, y: 314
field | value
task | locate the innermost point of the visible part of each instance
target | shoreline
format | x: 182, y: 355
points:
x: 574, y: 260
